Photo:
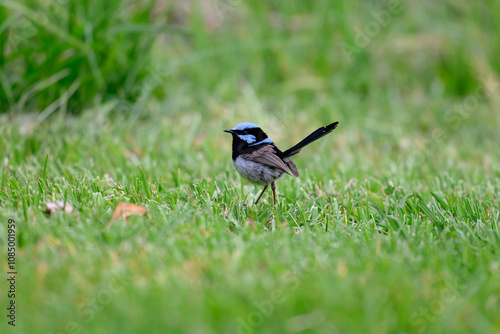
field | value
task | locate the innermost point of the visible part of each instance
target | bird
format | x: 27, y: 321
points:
x: 260, y: 161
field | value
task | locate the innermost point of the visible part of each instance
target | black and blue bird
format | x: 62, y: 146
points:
x: 260, y: 161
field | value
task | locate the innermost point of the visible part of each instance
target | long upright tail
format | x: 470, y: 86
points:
x: 309, y: 139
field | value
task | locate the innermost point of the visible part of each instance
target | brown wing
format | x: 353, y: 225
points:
x: 292, y: 166
x: 266, y: 156
x: 289, y: 163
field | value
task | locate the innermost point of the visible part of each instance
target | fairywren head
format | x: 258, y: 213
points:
x: 249, y: 133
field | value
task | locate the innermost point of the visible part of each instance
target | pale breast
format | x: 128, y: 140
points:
x: 257, y: 172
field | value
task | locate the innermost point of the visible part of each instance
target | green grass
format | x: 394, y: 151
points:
x: 392, y: 226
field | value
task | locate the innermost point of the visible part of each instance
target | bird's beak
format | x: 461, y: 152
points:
x: 229, y: 130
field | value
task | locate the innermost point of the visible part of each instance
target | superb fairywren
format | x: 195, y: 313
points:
x: 260, y: 161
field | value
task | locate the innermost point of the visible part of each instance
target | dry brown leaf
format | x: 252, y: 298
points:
x: 123, y: 210
x: 58, y: 207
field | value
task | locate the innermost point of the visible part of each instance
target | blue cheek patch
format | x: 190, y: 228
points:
x: 248, y: 138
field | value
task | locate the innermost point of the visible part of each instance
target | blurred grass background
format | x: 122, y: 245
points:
x: 126, y: 101
x: 286, y: 50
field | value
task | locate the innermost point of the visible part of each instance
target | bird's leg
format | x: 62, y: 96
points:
x: 273, y: 188
x: 262, y: 192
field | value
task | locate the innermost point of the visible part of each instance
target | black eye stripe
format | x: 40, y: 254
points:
x: 256, y: 132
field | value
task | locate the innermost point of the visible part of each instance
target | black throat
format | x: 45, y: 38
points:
x: 238, y: 146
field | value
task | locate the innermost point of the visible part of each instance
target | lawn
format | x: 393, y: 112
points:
x: 392, y: 227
